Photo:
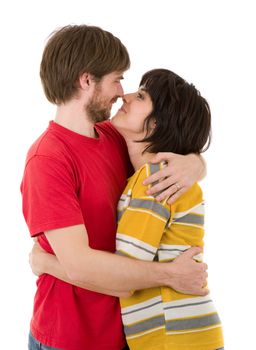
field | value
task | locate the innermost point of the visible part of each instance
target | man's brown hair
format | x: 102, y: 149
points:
x: 77, y: 49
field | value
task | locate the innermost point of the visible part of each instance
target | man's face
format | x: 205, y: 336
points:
x: 106, y: 92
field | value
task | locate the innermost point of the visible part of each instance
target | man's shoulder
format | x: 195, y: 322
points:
x: 47, y: 144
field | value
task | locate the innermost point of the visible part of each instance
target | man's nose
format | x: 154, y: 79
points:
x: 120, y: 91
x: 124, y: 98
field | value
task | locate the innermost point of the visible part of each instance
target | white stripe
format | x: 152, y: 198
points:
x: 146, y: 312
x: 124, y: 201
x: 190, y: 311
x: 147, y: 212
x: 195, y: 330
x: 172, y: 333
x: 198, y: 209
x: 184, y: 224
x: 177, y: 250
x: 146, y: 332
x: 133, y: 250
x: 173, y: 246
x: 164, y: 255
x: 142, y: 315
x: 142, y: 304
x: 187, y: 301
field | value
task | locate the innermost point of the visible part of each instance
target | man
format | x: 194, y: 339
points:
x: 74, y: 175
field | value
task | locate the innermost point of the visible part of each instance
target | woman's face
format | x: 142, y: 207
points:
x: 135, y: 109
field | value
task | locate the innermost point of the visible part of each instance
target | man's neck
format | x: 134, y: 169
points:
x: 73, y: 116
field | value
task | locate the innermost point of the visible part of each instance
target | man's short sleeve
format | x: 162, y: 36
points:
x: 49, y: 195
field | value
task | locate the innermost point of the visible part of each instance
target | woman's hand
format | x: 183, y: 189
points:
x: 36, y: 259
x: 177, y: 177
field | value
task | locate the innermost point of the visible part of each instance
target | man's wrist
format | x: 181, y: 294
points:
x: 164, y: 273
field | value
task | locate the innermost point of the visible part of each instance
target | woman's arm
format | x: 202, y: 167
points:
x: 43, y: 262
x: 177, y: 177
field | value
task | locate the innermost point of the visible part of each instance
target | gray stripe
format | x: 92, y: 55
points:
x: 178, y: 306
x: 190, y: 219
x: 153, y: 169
x: 151, y: 205
x: 192, y: 323
x: 135, y: 245
x: 145, y: 325
x: 119, y: 215
x: 142, y: 308
x: 172, y: 250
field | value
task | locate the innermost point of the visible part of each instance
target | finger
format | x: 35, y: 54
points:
x: 170, y: 193
x: 200, y: 291
x: 172, y: 199
x: 205, y: 275
x: 163, y: 185
x: 205, y: 267
x: 204, y: 291
x: 195, y: 291
x: 162, y: 156
x: 35, y: 239
x: 160, y: 174
x: 191, y: 252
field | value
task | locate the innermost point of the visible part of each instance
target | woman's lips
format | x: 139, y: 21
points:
x: 123, y: 109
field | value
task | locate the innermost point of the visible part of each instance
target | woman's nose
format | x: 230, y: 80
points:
x: 127, y: 97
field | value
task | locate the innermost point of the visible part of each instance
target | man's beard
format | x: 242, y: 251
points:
x: 99, y: 109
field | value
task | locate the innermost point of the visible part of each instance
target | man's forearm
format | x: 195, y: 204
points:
x: 51, y: 265
x: 106, y: 270
x: 109, y: 271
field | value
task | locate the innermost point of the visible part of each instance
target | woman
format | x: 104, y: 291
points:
x: 166, y: 114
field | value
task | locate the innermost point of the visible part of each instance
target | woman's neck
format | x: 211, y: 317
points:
x: 135, y: 150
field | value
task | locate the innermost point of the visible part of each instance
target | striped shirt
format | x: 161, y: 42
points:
x: 161, y: 318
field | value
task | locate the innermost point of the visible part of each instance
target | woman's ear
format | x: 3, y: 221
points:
x: 153, y: 124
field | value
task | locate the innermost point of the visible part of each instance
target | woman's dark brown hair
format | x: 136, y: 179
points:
x: 181, y: 115
x: 77, y: 49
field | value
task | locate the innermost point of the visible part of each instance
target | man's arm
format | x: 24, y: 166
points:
x: 177, y: 177
x: 43, y: 262
x: 105, y: 270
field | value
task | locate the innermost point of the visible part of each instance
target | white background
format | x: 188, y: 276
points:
x: 209, y: 43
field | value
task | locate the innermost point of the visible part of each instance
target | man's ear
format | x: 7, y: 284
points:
x: 85, y: 81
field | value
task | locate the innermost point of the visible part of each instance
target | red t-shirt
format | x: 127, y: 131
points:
x: 71, y: 179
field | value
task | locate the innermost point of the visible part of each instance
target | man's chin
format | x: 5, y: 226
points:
x: 102, y: 118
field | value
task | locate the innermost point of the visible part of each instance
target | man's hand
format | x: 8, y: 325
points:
x: 36, y: 259
x: 189, y: 276
x: 177, y: 177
